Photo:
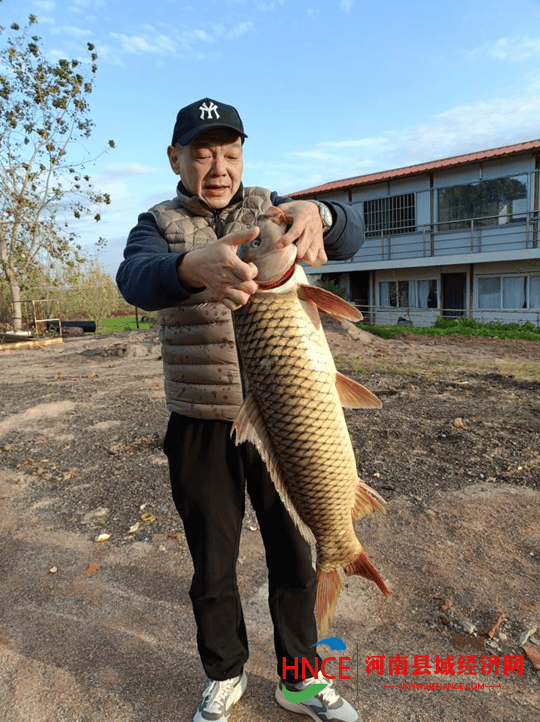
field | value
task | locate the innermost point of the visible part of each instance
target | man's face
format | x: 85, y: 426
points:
x: 210, y: 167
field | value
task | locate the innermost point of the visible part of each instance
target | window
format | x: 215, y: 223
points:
x: 387, y: 293
x: 509, y: 292
x: 408, y: 294
x: 535, y: 292
x: 490, y: 202
x: 427, y: 294
x: 514, y: 292
x: 390, y: 216
x: 489, y: 293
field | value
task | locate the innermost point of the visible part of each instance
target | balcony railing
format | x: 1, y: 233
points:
x: 489, y: 234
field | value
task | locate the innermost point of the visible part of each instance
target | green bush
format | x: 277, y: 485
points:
x: 334, y: 288
x: 461, y: 326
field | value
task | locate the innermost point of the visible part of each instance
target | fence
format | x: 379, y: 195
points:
x: 425, y: 317
x: 37, y: 313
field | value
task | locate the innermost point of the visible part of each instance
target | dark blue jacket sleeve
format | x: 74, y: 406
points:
x: 347, y: 232
x: 147, y: 276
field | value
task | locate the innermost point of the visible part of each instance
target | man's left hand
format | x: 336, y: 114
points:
x: 306, y: 230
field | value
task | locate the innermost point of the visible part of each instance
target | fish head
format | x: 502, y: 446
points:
x: 273, y: 263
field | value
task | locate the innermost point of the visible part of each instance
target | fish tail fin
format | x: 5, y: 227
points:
x: 362, y: 566
x: 329, y: 587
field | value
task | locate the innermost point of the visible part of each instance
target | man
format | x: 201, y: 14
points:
x: 181, y: 259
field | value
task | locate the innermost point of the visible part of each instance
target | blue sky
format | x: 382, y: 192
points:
x: 327, y: 89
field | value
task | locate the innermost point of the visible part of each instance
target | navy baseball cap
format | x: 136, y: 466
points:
x: 202, y: 115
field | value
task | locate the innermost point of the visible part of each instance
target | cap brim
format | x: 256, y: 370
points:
x: 188, y: 137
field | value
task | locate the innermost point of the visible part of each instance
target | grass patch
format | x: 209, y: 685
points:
x: 361, y: 366
x: 433, y: 369
x: 461, y: 327
x: 123, y: 323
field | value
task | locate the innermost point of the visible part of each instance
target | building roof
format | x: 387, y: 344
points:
x: 421, y: 168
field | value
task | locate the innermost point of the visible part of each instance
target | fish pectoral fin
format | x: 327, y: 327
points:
x: 249, y: 426
x: 277, y: 216
x: 353, y: 395
x: 366, y: 500
x: 329, y: 303
x: 329, y: 587
x: 362, y: 566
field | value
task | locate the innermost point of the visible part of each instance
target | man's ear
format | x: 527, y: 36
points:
x: 172, y: 152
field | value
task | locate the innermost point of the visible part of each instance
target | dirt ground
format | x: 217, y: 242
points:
x: 102, y: 630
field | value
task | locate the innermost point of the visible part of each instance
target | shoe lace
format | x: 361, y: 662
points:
x: 217, y: 691
x: 328, y: 694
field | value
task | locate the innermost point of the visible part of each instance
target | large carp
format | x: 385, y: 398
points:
x: 293, y: 410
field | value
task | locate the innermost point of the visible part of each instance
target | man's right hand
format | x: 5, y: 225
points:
x: 217, y: 268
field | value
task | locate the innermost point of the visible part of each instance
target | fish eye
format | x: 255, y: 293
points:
x: 256, y: 243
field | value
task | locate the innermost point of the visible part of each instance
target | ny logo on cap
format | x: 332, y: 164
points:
x: 209, y: 109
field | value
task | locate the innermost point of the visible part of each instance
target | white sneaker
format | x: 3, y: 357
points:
x: 219, y: 697
x: 326, y: 705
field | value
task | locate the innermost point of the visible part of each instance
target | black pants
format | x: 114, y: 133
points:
x: 209, y: 475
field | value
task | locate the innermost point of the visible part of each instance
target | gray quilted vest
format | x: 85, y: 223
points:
x: 200, y: 361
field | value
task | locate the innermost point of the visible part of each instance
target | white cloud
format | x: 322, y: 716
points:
x: 129, y: 170
x: 109, y: 53
x: 346, y: 5
x: 47, y: 5
x: 312, y: 154
x: 356, y: 143
x: 261, y: 5
x: 268, y: 6
x: 71, y: 31
x: 80, y: 6
x: 240, y: 29
x: 468, y: 128
x: 135, y: 43
x: 511, y: 49
x: 169, y: 41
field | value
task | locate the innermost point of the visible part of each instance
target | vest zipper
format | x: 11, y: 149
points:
x: 218, y: 224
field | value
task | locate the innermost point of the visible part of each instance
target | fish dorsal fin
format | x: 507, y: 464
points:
x: 329, y: 303
x: 366, y: 501
x: 353, y: 395
x: 249, y: 426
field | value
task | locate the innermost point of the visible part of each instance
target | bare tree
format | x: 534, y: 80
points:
x: 44, y: 121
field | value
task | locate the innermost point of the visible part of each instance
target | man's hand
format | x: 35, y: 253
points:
x: 306, y: 230
x: 217, y: 267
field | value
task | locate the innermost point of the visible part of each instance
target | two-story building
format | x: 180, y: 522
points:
x: 451, y: 237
